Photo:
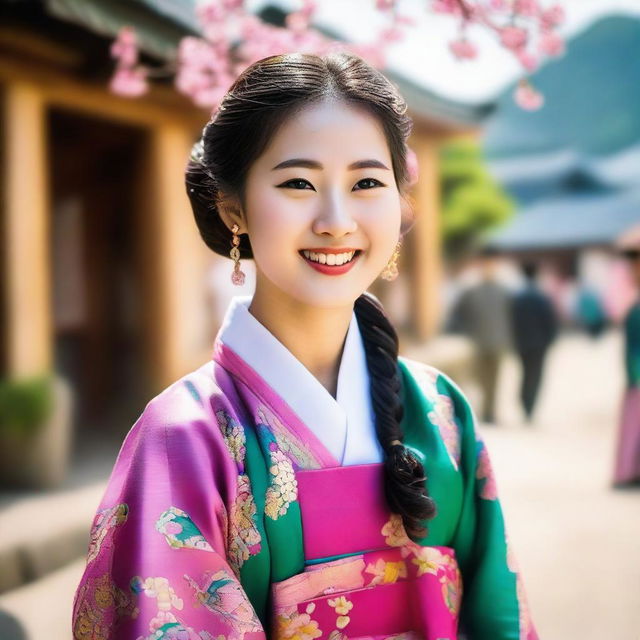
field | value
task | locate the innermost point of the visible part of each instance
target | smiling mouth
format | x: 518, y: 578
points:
x: 330, y: 259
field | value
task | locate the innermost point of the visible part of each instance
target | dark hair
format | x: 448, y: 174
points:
x: 529, y: 270
x: 260, y: 100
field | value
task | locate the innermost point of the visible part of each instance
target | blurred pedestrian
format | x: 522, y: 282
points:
x: 590, y: 312
x: 627, y: 461
x: 483, y: 312
x: 534, y: 326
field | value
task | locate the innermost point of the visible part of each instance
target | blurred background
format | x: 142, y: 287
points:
x: 519, y: 278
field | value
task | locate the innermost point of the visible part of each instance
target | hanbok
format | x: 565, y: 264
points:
x: 627, y: 462
x: 247, y: 503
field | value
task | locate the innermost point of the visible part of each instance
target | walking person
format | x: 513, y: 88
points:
x: 307, y: 482
x: 534, y: 327
x: 483, y: 313
x: 627, y: 459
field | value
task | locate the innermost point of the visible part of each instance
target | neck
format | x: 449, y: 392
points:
x: 314, y: 335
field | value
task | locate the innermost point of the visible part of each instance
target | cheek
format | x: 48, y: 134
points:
x: 274, y: 226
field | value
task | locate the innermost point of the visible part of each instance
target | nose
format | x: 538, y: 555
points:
x: 334, y: 218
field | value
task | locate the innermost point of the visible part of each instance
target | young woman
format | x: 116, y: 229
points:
x: 626, y: 472
x: 307, y: 482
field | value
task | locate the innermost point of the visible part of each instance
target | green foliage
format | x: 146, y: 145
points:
x: 25, y: 404
x: 472, y: 202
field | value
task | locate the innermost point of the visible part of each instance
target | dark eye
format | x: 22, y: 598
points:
x: 296, y: 181
x: 376, y: 182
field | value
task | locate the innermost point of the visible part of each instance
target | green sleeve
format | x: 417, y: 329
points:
x: 494, y: 605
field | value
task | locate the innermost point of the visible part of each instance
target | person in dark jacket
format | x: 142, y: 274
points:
x: 534, y: 328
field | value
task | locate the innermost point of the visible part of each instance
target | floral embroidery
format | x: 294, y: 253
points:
x: 180, y: 531
x: 103, y: 523
x: 172, y: 629
x: 386, y: 572
x: 233, y: 435
x: 342, y: 607
x: 526, y: 624
x: 442, y: 411
x: 297, y: 626
x: 394, y: 532
x: 283, y: 489
x: 484, y: 471
x: 223, y: 595
x: 158, y: 588
x: 244, y: 537
x: 101, y: 605
x: 298, y: 451
x: 428, y: 560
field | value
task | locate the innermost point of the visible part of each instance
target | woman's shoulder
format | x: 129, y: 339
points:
x: 186, y: 408
x: 430, y: 379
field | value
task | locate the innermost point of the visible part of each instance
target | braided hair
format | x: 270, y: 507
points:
x: 260, y: 100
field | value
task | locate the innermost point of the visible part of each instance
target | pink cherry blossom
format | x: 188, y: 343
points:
x: 527, y: 60
x: 463, y: 49
x: 513, y: 38
x: 527, y: 8
x: 129, y: 83
x: 297, y: 21
x: 392, y: 34
x: 205, y: 65
x: 385, y: 5
x: 527, y: 97
x: 551, y: 44
x: 553, y: 16
x: 125, y: 47
x: 446, y: 6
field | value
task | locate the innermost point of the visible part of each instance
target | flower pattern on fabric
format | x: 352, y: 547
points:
x: 526, y: 623
x: 297, y: 626
x: 442, y: 411
x: 174, y: 630
x: 394, y: 532
x: 104, y: 522
x: 223, y: 595
x: 102, y: 605
x: 244, y: 537
x: 484, y: 472
x: 298, y: 451
x: 427, y: 559
x: 342, y: 607
x: 180, y: 531
x: 386, y: 572
x: 158, y: 588
x: 283, y: 489
x: 233, y: 435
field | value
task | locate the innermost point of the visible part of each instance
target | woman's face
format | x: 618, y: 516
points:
x: 323, y: 188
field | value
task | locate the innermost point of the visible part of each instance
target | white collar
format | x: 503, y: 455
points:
x: 345, y: 424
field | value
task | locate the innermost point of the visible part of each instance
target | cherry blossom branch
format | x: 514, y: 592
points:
x: 233, y: 38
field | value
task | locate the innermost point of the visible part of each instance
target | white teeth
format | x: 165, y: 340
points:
x: 329, y: 258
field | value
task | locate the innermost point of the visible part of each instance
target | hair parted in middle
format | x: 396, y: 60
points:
x: 261, y: 99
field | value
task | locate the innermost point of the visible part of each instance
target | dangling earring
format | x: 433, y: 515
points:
x: 237, y: 276
x: 390, y: 272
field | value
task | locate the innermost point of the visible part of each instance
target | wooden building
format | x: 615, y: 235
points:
x: 103, y: 268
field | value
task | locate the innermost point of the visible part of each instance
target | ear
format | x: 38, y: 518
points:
x: 231, y: 213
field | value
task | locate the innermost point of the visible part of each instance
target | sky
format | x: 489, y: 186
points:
x: 424, y: 56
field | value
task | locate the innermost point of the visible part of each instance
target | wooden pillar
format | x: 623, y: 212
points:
x: 172, y: 253
x: 427, y: 251
x: 26, y: 232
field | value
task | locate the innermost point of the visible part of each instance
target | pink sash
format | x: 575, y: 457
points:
x: 388, y: 587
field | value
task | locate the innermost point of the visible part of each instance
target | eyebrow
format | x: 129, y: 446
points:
x: 314, y: 164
